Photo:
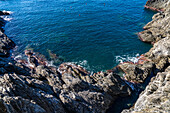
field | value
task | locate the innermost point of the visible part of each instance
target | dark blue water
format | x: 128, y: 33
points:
x: 94, y: 33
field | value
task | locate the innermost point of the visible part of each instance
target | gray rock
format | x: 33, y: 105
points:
x: 6, y: 45
x: 159, y: 27
x: 156, y: 96
x: 137, y: 73
x: 15, y: 85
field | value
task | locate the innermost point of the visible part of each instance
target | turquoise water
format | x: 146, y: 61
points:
x: 97, y: 34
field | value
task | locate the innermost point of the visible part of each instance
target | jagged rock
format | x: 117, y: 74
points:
x: 6, y: 45
x: 157, y: 4
x: 77, y: 93
x: 160, y: 53
x: 19, y: 105
x: 76, y: 71
x: 32, y: 90
x: 112, y: 84
x: 137, y: 72
x: 156, y: 96
x: 159, y: 27
x: 160, y: 49
x: 167, y: 69
x: 80, y: 96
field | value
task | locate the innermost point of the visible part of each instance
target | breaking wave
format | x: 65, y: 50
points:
x: 7, y: 17
x: 83, y: 64
x: 125, y: 58
x: 4, y: 11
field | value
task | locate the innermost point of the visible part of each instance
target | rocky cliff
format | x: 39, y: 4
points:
x: 156, y: 97
x: 71, y: 88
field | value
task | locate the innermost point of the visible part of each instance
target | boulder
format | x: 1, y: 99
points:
x: 137, y: 73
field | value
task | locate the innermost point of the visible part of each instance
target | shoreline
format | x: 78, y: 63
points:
x: 70, y: 87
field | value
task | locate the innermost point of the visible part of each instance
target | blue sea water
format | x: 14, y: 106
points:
x: 97, y: 34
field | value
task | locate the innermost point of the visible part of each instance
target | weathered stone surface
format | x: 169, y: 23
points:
x: 159, y: 27
x: 19, y: 105
x: 6, y: 45
x: 160, y: 53
x: 78, y: 94
x: 157, y: 5
x: 31, y: 90
x: 137, y: 73
x: 155, y: 98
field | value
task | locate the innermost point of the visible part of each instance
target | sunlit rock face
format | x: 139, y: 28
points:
x: 159, y: 27
x: 156, y: 96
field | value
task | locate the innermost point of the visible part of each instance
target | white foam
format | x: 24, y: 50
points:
x: 18, y: 56
x: 125, y: 58
x: 6, y: 18
x: 4, y: 11
x: 50, y: 63
x: 83, y: 63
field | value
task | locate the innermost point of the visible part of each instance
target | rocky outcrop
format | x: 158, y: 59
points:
x: 156, y: 97
x: 157, y: 5
x: 6, y: 45
x: 156, y: 60
x: 160, y: 54
x: 49, y: 91
x: 137, y: 73
x: 159, y: 27
x: 80, y: 92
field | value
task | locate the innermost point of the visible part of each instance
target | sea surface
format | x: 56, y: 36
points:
x: 97, y: 34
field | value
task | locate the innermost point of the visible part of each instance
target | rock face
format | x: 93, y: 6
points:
x: 157, y: 59
x: 6, y: 45
x: 156, y: 97
x: 51, y: 91
x: 157, y: 5
x: 159, y: 27
x: 137, y: 73
x: 4, y: 13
